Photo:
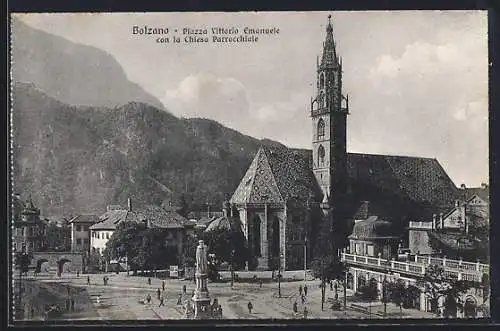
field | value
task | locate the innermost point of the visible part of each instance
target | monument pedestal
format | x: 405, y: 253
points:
x: 201, y: 298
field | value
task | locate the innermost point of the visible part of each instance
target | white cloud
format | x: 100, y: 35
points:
x: 207, y: 95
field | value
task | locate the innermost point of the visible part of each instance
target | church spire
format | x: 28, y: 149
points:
x: 329, y: 53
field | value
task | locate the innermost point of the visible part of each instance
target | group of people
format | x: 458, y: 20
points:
x: 303, y: 295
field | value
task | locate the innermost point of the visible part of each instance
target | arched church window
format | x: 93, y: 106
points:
x: 321, y: 129
x: 321, y: 156
x: 322, y: 80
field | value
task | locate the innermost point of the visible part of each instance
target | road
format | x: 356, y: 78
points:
x: 123, y: 299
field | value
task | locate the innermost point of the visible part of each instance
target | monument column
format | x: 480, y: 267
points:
x: 201, y: 298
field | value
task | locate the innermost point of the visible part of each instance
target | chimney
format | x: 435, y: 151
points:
x: 441, y: 220
x: 457, y: 203
x: 129, y: 204
x: 433, y: 221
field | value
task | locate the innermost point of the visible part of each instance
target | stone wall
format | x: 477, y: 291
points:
x: 52, y: 259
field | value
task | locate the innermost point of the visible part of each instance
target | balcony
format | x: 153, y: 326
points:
x: 324, y: 110
x: 460, y: 269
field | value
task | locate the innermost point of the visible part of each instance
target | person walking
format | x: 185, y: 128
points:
x: 158, y: 292
x: 163, y: 285
x: 161, y: 302
x: 88, y: 280
x: 184, y: 288
x: 295, y: 309
x: 148, y: 298
x: 300, y: 290
x: 72, y: 304
x: 305, y: 290
x: 305, y: 312
x: 303, y: 298
x: 179, y: 299
x: 78, y: 273
x: 260, y: 283
x: 98, y: 300
x: 149, y: 281
x: 250, y: 307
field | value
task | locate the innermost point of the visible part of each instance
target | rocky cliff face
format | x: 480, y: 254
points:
x: 80, y: 159
x: 72, y: 73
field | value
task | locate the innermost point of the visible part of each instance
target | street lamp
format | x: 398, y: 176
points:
x: 305, y: 259
x: 279, y: 275
x: 384, y: 291
x: 232, y: 268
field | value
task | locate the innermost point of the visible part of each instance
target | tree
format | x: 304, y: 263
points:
x: 22, y: 261
x: 222, y: 242
x: 328, y: 268
x: 368, y: 292
x: 436, y: 284
x: 56, y: 238
x: 397, y: 294
x: 183, y: 206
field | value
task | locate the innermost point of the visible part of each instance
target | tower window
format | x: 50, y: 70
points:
x: 321, y: 129
x: 322, y: 81
x: 321, y: 156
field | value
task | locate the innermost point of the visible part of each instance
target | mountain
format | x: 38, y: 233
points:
x: 72, y: 73
x: 79, y: 159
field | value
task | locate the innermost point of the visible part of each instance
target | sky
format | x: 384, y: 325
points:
x: 417, y: 80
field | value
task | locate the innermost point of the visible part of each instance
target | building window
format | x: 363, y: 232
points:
x: 86, y: 241
x: 321, y: 129
x: 107, y: 235
x: 321, y: 156
x: 98, y: 235
x: 79, y: 228
x: 78, y: 241
x: 370, y: 250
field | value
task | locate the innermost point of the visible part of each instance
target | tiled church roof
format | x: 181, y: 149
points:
x: 282, y: 173
x: 417, y: 178
x: 275, y: 176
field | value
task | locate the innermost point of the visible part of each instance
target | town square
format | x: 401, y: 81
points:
x: 364, y: 196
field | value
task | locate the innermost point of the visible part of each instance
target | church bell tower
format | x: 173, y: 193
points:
x: 329, y: 109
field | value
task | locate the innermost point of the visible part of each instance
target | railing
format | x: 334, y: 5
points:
x: 420, y: 225
x: 452, y: 264
x: 459, y: 269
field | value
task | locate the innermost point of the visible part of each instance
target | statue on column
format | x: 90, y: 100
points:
x: 201, y: 258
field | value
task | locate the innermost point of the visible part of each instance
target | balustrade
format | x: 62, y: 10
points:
x: 459, y: 269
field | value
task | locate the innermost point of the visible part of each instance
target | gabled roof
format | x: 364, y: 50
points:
x: 110, y: 219
x: 275, y: 176
x: 155, y: 215
x: 84, y: 219
x: 161, y: 218
x: 481, y: 192
x: 225, y: 223
x: 417, y: 178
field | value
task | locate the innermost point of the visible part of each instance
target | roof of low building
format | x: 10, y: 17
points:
x: 155, y: 215
x: 84, y: 219
x: 230, y: 223
x: 372, y: 228
x: 482, y: 192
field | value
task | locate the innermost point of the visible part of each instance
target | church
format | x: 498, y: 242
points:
x: 288, y: 197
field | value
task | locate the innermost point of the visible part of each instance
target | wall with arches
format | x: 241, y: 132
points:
x: 50, y: 261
